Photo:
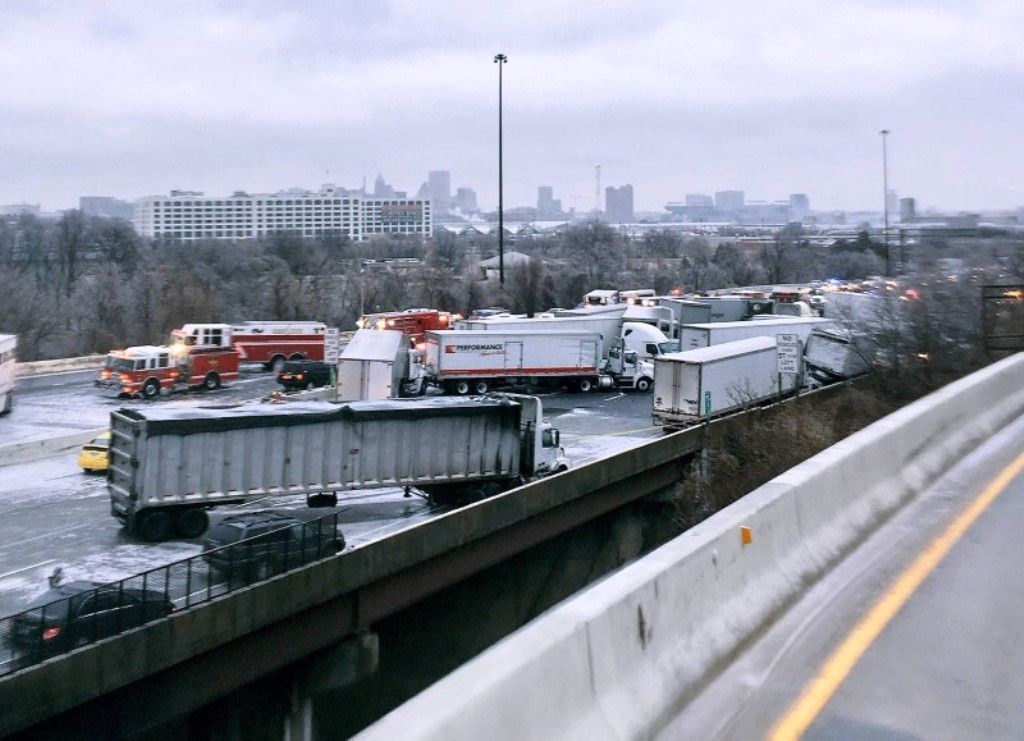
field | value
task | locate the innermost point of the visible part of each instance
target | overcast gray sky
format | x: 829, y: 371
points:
x: 771, y: 96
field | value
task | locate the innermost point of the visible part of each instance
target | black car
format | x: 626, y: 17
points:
x: 257, y: 545
x: 79, y: 612
x: 304, y: 374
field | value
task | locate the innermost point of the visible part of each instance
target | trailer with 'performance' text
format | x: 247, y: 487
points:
x: 466, y: 361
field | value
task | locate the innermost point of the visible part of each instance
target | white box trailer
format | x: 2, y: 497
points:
x: 736, y: 308
x: 470, y: 361
x: 693, y: 336
x: 695, y: 385
x: 168, y: 466
x: 8, y: 346
x: 377, y: 364
x: 608, y: 326
x: 833, y: 356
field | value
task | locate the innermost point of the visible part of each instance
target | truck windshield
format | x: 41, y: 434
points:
x: 549, y: 438
x: 120, y: 364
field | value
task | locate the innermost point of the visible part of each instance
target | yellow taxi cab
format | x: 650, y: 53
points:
x: 95, y: 455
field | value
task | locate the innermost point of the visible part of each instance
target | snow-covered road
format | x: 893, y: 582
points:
x: 52, y: 514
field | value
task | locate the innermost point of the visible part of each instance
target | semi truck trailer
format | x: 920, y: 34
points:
x: 715, y: 333
x: 469, y: 361
x: 379, y: 364
x: 608, y: 327
x: 833, y: 356
x: 696, y: 385
x: 168, y: 467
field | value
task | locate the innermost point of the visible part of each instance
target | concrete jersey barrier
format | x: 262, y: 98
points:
x: 621, y: 658
x: 61, y: 365
x: 35, y: 450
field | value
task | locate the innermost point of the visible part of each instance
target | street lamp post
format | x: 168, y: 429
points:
x: 501, y: 60
x: 885, y: 200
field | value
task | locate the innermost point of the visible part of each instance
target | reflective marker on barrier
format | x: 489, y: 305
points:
x: 746, y: 535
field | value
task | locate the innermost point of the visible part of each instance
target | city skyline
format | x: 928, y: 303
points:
x: 261, y: 96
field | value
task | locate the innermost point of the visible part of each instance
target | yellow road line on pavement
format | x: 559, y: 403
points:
x: 817, y: 693
x: 612, y: 434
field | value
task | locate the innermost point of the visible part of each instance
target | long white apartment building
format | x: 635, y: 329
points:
x: 190, y: 215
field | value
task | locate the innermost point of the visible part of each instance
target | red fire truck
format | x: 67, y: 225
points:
x: 148, y: 370
x: 414, y: 322
x: 270, y: 343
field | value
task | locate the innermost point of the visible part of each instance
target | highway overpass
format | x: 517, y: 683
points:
x: 873, y: 591
x: 632, y: 656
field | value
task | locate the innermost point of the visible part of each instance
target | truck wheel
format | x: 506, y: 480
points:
x: 192, y: 523
x: 211, y: 382
x: 480, y: 387
x: 277, y: 363
x: 461, y: 387
x: 585, y: 385
x: 297, y: 356
x: 643, y: 384
x: 155, y: 527
x: 151, y: 389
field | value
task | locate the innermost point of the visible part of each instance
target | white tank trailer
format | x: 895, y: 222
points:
x: 168, y: 467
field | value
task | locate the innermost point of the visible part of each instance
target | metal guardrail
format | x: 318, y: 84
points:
x: 86, y: 614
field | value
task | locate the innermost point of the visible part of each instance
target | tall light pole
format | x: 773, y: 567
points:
x: 501, y: 60
x: 885, y: 199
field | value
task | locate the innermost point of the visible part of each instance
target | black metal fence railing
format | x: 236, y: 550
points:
x: 80, y: 613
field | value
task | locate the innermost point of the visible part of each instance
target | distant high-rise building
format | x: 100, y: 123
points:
x: 618, y: 204
x: 439, y: 185
x: 729, y: 200
x: 699, y: 200
x: 547, y: 205
x: 465, y: 200
x: 189, y: 215
x: 381, y: 189
x: 111, y: 208
x: 908, y: 209
x: 799, y: 205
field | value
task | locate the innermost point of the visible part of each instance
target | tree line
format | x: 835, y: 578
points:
x: 81, y: 285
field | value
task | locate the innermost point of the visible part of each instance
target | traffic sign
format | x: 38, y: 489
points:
x: 789, y: 353
x: 707, y: 403
x: 331, y: 346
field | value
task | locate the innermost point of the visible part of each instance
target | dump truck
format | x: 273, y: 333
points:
x: 696, y: 385
x: 169, y: 466
x: 693, y: 336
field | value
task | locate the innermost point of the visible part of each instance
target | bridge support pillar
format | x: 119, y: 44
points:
x: 336, y: 668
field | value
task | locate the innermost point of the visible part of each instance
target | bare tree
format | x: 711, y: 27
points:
x: 69, y: 246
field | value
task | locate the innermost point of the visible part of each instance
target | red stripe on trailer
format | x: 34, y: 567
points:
x: 519, y: 371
